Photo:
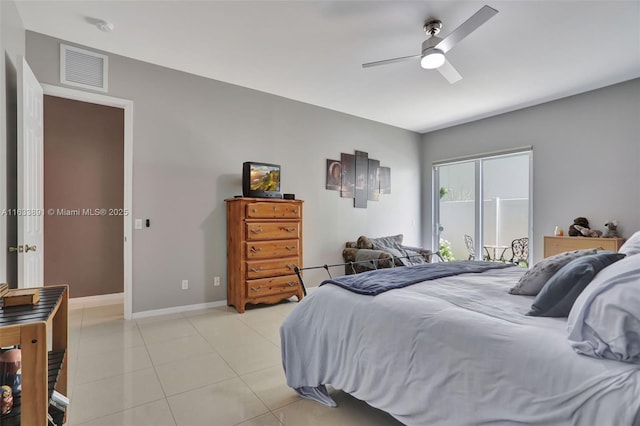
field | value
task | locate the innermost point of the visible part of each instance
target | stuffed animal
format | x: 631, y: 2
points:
x: 586, y: 232
x: 612, y: 229
x: 580, y: 221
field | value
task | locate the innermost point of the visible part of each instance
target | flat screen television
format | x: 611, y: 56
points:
x: 261, y: 180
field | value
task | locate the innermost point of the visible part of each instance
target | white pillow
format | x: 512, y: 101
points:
x: 604, y: 322
x: 632, y: 245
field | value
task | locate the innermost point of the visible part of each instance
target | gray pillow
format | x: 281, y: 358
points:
x: 414, y: 258
x: 535, y: 278
x: 383, y: 242
x: 561, y: 291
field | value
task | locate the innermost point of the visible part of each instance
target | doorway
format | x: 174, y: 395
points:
x: 83, y: 196
x: 127, y: 223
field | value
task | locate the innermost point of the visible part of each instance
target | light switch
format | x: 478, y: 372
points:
x: 138, y: 224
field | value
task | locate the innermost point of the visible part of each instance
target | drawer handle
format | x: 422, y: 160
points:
x: 255, y: 210
x: 600, y: 248
x: 256, y: 269
x: 295, y: 210
x: 275, y: 209
x: 290, y: 266
x: 291, y: 248
x: 291, y: 283
x: 256, y: 231
x: 256, y: 249
x: 290, y: 229
x: 256, y: 288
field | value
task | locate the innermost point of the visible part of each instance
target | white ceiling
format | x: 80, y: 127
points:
x: 311, y: 51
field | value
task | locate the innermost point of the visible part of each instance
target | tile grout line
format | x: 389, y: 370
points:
x: 155, y: 370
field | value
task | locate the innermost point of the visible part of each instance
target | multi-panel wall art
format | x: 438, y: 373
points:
x: 359, y: 177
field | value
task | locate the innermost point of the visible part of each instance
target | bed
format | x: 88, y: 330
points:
x: 455, y: 350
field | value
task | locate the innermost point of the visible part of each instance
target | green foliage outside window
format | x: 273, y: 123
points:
x: 445, y: 250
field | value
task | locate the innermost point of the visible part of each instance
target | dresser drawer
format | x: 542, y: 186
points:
x: 271, y: 249
x: 271, y: 268
x: 275, y: 285
x: 555, y: 245
x: 273, y: 210
x: 260, y: 231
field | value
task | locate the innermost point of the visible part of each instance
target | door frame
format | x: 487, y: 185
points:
x: 127, y: 106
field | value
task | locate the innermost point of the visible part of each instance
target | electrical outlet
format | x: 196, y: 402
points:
x: 216, y: 281
x: 185, y: 284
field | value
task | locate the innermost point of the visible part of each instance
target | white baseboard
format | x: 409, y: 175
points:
x: 101, y: 300
x: 178, y: 309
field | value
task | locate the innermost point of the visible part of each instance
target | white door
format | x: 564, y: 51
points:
x: 30, y: 179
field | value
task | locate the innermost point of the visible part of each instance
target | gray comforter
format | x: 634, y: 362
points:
x: 373, y: 283
x: 455, y: 351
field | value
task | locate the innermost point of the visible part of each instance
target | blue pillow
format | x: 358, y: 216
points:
x: 561, y: 291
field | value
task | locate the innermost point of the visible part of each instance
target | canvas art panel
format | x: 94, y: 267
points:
x: 348, y: 162
x: 334, y: 175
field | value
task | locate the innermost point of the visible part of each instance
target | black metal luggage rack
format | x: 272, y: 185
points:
x: 373, y: 262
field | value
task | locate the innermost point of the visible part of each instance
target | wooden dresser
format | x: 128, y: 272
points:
x: 555, y: 245
x: 264, y: 245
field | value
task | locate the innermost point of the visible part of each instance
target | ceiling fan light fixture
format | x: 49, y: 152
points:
x: 432, y: 59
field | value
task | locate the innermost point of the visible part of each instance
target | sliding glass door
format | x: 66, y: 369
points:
x: 465, y: 228
x: 456, y: 198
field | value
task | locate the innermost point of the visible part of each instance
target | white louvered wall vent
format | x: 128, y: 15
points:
x: 83, y: 68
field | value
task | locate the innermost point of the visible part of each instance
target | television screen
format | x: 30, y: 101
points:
x: 265, y: 177
x: 261, y: 180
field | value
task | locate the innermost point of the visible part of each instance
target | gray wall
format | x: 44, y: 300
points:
x: 586, y: 153
x: 191, y: 136
x: 12, y: 46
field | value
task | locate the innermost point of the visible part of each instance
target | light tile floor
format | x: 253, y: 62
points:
x: 210, y: 367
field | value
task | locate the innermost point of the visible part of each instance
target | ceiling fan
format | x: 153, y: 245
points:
x: 434, y: 48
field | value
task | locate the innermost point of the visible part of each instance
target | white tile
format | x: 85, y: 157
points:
x: 111, y: 363
x: 270, y: 385
x: 264, y: 420
x: 191, y: 373
x: 213, y: 324
x: 269, y: 330
x: 179, y: 349
x: 250, y: 357
x: 152, y: 414
x: 260, y: 315
x: 111, y: 395
x: 111, y: 326
x: 223, y: 334
x: 91, y: 344
x: 160, y: 331
x: 159, y: 318
x: 223, y: 404
x: 350, y: 412
x: 219, y: 311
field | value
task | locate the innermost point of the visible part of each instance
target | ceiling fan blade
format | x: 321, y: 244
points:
x: 390, y: 61
x: 467, y: 27
x: 449, y: 72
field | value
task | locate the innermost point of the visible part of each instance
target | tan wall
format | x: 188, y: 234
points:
x: 83, y: 169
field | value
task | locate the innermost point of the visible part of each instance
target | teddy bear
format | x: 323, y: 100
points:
x: 611, y: 230
x: 586, y: 232
x: 579, y: 221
